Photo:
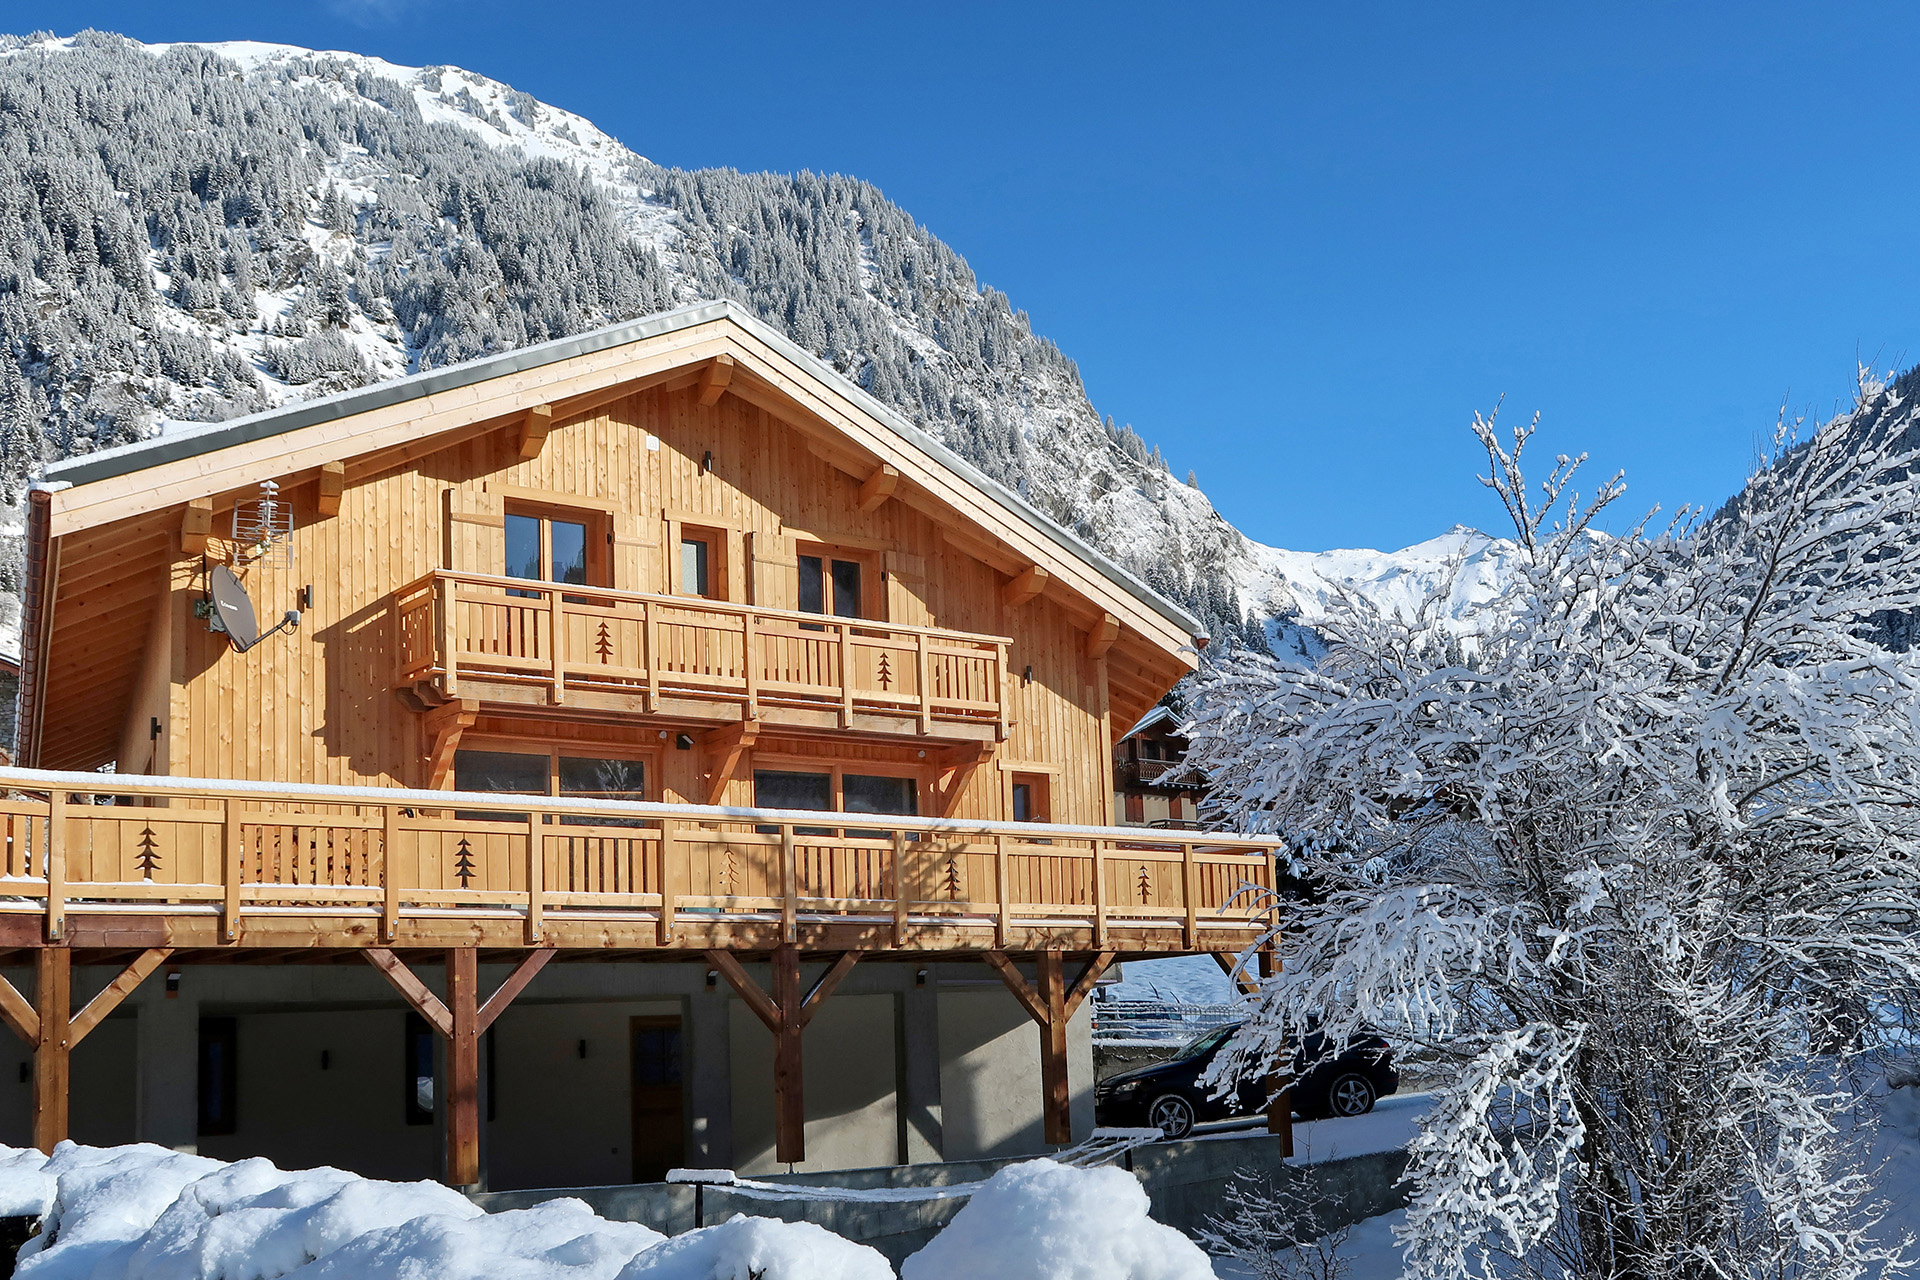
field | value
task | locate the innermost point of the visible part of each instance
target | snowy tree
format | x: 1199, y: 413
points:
x: 1636, y: 861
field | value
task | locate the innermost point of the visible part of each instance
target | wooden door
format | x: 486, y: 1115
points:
x: 659, y: 1119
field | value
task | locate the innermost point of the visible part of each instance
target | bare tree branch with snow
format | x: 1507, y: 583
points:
x: 1636, y: 855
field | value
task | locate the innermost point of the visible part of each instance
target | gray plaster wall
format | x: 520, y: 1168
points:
x: 903, y: 1063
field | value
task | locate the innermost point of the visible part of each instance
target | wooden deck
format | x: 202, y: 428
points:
x: 183, y: 862
x: 508, y: 640
x: 151, y: 870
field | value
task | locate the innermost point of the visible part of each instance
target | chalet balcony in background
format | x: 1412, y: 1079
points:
x: 511, y: 640
x: 122, y: 861
x: 1155, y: 773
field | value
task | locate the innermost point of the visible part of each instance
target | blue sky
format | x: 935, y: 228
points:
x: 1297, y: 245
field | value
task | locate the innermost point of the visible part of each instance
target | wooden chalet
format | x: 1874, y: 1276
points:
x: 1152, y: 787
x: 590, y: 636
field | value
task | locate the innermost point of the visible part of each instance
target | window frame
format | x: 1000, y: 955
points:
x: 649, y: 759
x: 721, y: 540
x: 873, y: 600
x: 1040, y: 787
x: 598, y: 522
x: 837, y: 770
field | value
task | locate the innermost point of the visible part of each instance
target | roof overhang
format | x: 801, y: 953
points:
x: 119, y: 509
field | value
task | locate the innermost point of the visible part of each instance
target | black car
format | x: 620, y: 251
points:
x: 1169, y: 1096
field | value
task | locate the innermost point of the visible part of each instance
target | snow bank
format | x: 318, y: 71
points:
x: 1045, y: 1221
x: 25, y: 1185
x: 145, y: 1213
x: 744, y: 1248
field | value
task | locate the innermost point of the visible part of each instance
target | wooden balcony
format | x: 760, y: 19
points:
x: 507, y: 640
x: 105, y: 861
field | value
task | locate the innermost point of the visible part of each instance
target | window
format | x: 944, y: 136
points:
x: 418, y: 1079
x: 835, y: 790
x: 702, y: 569
x: 528, y: 773
x: 830, y: 579
x: 1031, y: 802
x: 550, y: 546
x: 219, y: 1076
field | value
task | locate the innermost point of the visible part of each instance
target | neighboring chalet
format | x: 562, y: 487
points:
x: 591, y: 637
x: 1152, y: 786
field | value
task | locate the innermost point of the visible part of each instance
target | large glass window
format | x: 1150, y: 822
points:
x: 865, y: 793
x: 546, y: 549
x: 835, y: 791
x: 527, y: 773
x: 599, y: 779
x: 829, y: 579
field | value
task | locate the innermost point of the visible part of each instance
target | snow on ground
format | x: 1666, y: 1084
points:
x: 142, y: 1212
x: 1039, y: 1220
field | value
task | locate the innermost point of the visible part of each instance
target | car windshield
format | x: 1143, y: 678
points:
x: 1207, y: 1043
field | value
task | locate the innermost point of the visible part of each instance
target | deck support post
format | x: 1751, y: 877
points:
x: 786, y: 1014
x: 1280, y: 1108
x: 1052, y: 1007
x: 789, y: 1084
x: 461, y: 1019
x: 463, y: 1067
x: 52, y: 1054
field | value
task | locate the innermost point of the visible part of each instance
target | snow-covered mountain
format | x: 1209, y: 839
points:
x: 189, y: 232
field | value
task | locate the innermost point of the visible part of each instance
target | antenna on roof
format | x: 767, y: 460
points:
x: 263, y: 528
x: 233, y: 611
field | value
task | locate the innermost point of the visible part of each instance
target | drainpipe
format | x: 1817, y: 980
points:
x: 36, y: 621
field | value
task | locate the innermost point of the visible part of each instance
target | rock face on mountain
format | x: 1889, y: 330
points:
x: 192, y: 232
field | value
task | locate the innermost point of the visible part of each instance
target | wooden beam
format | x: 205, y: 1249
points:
x: 824, y: 988
x: 979, y: 547
x: 415, y: 992
x: 444, y: 727
x: 713, y: 383
x: 723, y: 749
x: 1280, y: 1106
x: 1017, y: 984
x: 962, y: 764
x: 1056, y: 1094
x: 789, y: 1084
x: 1024, y: 587
x: 534, y: 425
x: 746, y: 988
x: 333, y: 483
x: 878, y: 487
x: 516, y: 982
x: 196, y: 526
x: 1230, y: 965
x: 52, y: 1054
x: 463, y: 1068
x: 119, y: 989
x: 1103, y: 635
x: 1097, y: 964
x: 17, y: 1012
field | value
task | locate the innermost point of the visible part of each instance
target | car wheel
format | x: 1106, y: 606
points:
x: 1172, y: 1115
x: 1349, y: 1094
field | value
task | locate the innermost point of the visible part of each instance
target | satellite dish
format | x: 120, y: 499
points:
x: 233, y: 610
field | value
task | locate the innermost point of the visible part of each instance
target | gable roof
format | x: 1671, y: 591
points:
x: 113, y: 517
x: 199, y: 441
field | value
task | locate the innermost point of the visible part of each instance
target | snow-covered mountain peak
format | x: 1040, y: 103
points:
x: 271, y: 223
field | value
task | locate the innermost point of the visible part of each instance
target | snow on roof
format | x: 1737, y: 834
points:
x: 1161, y: 712
x: 200, y: 438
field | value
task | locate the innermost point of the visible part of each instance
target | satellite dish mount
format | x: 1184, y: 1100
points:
x: 232, y: 611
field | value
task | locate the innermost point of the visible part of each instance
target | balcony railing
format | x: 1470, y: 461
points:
x: 454, y: 627
x: 232, y: 862
x: 1156, y: 773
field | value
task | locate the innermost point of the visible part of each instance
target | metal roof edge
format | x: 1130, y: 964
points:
x: 139, y: 455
